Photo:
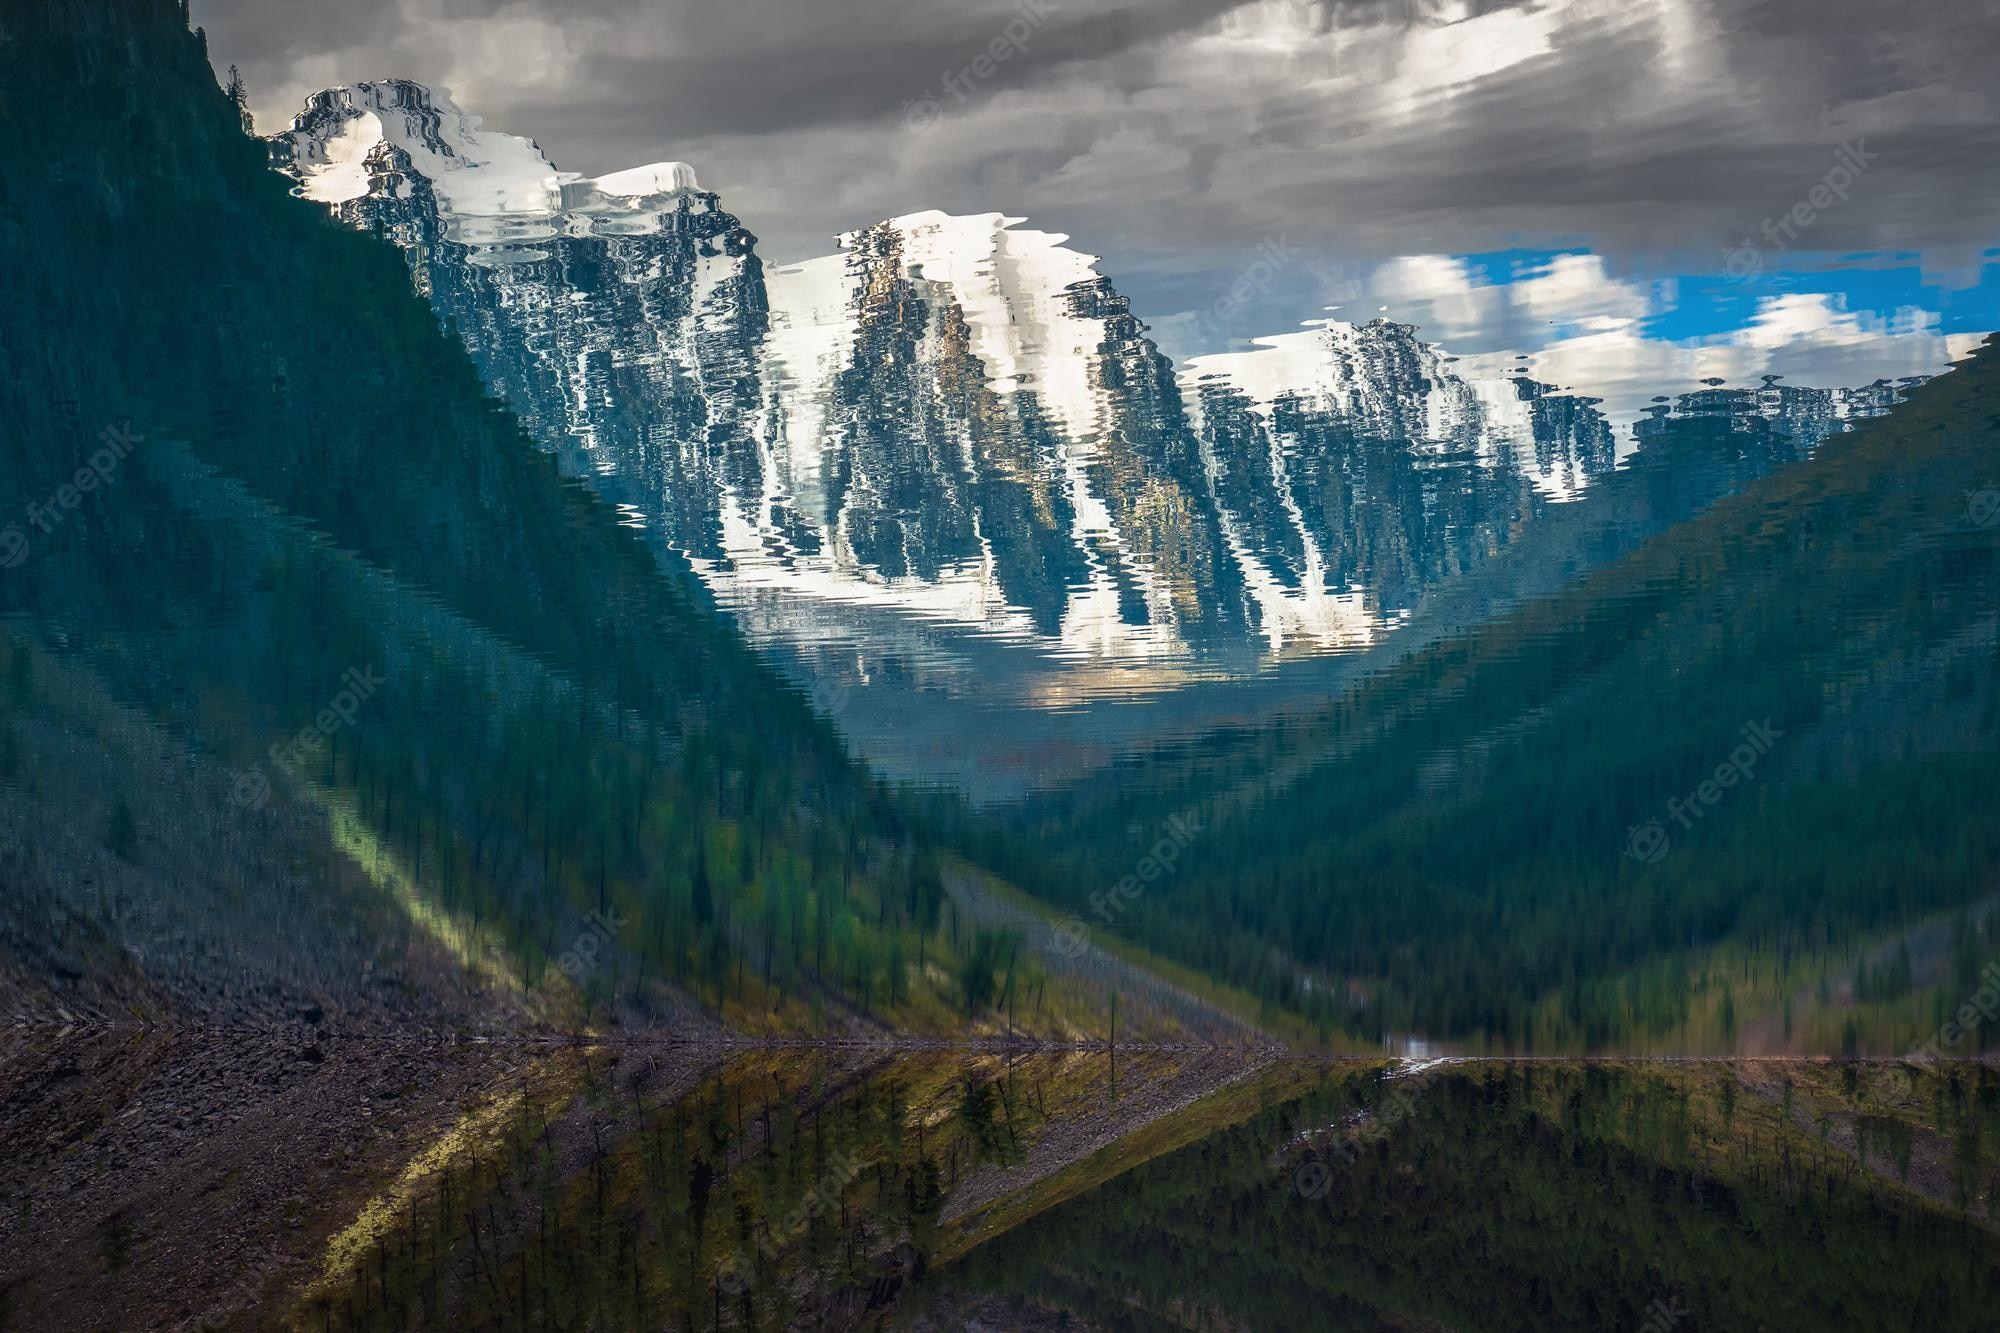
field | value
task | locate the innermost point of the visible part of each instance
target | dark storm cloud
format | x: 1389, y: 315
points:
x: 865, y: 62
x: 1174, y: 136
x: 706, y: 68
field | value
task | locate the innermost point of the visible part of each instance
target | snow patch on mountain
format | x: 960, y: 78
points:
x: 491, y: 188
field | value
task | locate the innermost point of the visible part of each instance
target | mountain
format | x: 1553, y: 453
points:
x: 617, y: 316
x: 327, y: 696
x: 569, y: 745
x: 955, y: 416
x: 1710, y: 794
x: 1360, y: 1203
x: 945, y: 473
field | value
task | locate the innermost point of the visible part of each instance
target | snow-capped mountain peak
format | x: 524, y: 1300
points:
x: 489, y: 187
x: 954, y: 419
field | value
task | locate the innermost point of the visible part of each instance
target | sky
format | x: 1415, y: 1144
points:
x: 1185, y: 140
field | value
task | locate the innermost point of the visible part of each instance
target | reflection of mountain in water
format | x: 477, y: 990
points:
x: 957, y: 425
x: 611, y: 1186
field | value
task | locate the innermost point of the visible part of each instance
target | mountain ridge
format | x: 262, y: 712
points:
x: 562, y: 745
x: 1471, y: 808
x: 952, y: 449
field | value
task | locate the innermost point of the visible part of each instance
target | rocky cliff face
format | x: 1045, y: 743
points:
x: 957, y: 420
x: 618, y: 316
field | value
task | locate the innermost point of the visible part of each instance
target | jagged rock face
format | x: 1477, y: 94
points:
x: 490, y: 188
x: 619, y: 316
x: 1366, y: 470
x: 958, y: 419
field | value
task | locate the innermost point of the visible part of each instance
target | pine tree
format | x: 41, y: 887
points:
x: 239, y: 97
